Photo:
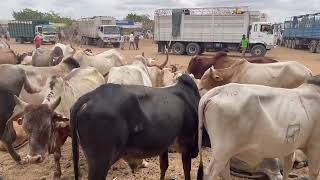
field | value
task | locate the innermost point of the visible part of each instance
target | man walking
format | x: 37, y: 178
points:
x: 131, y: 41
x: 136, y: 41
x: 244, y: 45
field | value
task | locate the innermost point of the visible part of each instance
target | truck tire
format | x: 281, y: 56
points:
x: 293, y: 44
x: 290, y: 44
x: 318, y: 47
x: 116, y: 45
x: 286, y: 43
x: 21, y: 40
x: 100, y: 43
x: 193, y: 49
x: 313, y: 46
x: 178, y: 48
x: 258, y: 50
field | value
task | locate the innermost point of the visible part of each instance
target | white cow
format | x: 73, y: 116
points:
x: 103, y: 62
x: 140, y: 72
x: 254, y: 122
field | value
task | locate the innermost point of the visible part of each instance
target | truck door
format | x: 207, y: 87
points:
x: 38, y: 29
x: 262, y: 33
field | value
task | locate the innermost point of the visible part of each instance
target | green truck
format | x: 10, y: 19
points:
x: 25, y: 31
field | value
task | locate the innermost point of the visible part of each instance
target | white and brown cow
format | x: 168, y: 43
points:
x: 47, y: 124
x: 254, y: 122
x: 289, y: 74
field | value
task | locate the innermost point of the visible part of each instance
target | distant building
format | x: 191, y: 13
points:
x: 3, y: 26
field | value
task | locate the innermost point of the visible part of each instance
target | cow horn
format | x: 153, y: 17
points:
x: 162, y: 65
x: 18, y: 109
x: 143, y: 54
x: 74, y: 50
x: 54, y: 104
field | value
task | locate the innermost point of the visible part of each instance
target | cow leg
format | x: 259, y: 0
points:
x: 314, y: 163
x: 8, y: 138
x: 164, y: 164
x: 186, y: 161
x: 287, y: 165
x: 57, y: 171
x: 225, y: 174
x: 99, y: 166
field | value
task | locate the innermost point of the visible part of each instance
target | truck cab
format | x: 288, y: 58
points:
x: 261, y: 33
x: 110, y: 34
x: 48, y: 33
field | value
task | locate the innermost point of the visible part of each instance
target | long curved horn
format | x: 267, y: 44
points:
x: 53, y: 105
x: 142, y: 54
x: 163, y: 64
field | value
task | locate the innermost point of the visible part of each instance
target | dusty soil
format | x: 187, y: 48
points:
x: 120, y: 171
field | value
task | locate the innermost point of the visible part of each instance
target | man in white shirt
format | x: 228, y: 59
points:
x: 131, y: 41
x: 122, y: 42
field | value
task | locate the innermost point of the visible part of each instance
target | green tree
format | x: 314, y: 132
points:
x: 138, y: 18
x: 30, y: 14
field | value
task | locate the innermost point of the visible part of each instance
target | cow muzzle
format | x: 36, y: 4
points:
x: 33, y: 159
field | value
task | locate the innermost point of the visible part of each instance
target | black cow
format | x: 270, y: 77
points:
x: 117, y: 121
x: 7, y: 133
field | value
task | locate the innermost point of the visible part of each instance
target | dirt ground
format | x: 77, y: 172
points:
x: 9, y: 170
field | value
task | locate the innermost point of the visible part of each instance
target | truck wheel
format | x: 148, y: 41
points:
x: 100, y: 43
x: 313, y: 46
x: 318, y: 47
x: 116, y: 45
x: 193, y: 49
x: 293, y: 44
x: 178, y: 48
x: 258, y: 50
x: 286, y: 43
x: 21, y: 41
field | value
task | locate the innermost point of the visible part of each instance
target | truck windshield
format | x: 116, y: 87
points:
x: 49, y: 29
x: 267, y: 28
x: 111, y: 30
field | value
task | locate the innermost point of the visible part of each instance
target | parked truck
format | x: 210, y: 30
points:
x: 196, y: 30
x: 303, y: 32
x: 99, y: 30
x: 25, y: 31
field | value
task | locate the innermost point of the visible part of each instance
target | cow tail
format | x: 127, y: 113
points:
x: 74, y: 135
x: 200, y: 134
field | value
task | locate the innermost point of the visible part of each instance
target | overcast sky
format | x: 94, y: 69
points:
x: 277, y: 10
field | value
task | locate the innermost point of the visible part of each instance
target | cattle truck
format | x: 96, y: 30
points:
x: 197, y: 30
x: 99, y: 30
x: 25, y: 31
x: 302, y: 32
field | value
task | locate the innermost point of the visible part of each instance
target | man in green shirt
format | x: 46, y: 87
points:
x: 244, y: 45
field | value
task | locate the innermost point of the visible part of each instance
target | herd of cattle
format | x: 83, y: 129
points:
x: 254, y: 114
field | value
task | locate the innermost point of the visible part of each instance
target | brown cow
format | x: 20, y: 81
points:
x: 199, y: 64
x: 7, y: 56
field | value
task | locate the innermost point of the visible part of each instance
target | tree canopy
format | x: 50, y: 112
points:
x: 30, y: 14
x: 138, y: 18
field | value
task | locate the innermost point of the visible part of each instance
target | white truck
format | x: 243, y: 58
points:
x: 99, y: 30
x: 196, y: 30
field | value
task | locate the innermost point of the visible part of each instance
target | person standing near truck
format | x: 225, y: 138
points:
x: 244, y: 45
x: 37, y: 40
x: 122, y: 41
